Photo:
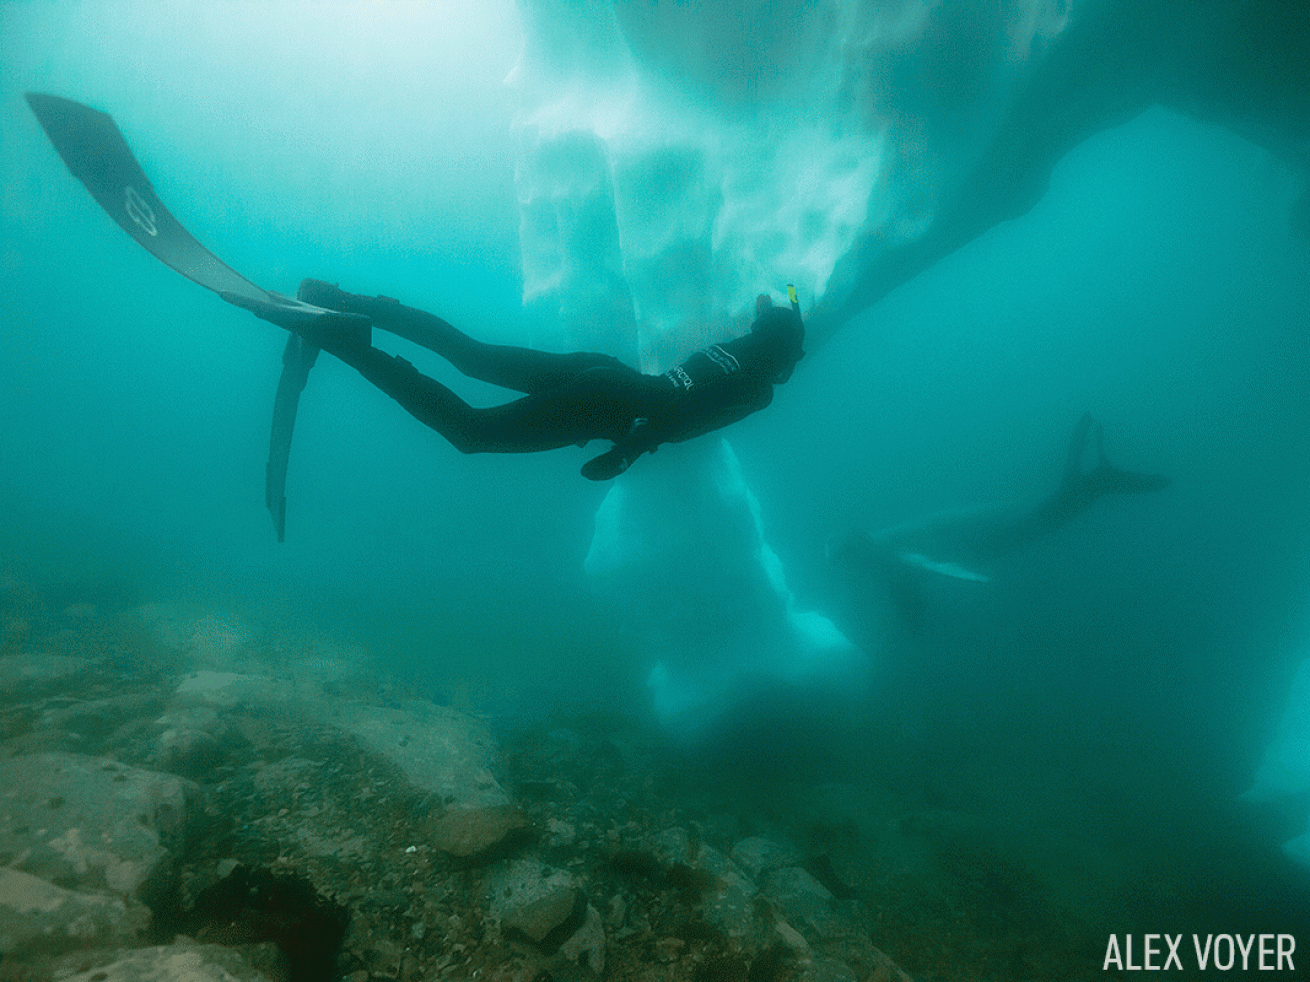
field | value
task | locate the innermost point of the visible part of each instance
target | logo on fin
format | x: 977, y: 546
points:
x: 139, y: 211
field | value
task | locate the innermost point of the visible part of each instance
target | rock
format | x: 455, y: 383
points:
x: 190, y: 753
x: 618, y: 912
x: 441, y: 751
x: 27, y: 674
x: 92, y: 824
x: 320, y: 834
x: 792, y: 939
x: 214, y: 642
x: 562, y: 745
x: 757, y: 855
x: 182, y: 961
x: 36, y: 916
x: 800, y: 896
x: 884, y: 969
x: 217, y: 641
x: 587, y: 943
x: 227, y: 689
x: 465, y: 832
x: 671, y: 846
x: 531, y: 898
x: 192, y: 742
x: 226, y: 645
x: 727, y: 899
x: 368, y: 940
x: 560, y: 834
x: 731, y: 904
x: 445, y: 754
x: 830, y: 970
x: 100, y: 716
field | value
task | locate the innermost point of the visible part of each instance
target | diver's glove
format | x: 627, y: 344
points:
x: 607, y: 466
x: 620, y: 457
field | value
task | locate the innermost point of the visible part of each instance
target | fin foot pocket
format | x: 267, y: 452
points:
x: 324, y: 294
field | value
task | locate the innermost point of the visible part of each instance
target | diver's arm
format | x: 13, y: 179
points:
x: 690, y: 417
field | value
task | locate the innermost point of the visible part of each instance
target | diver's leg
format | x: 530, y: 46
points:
x: 597, y: 403
x: 536, y: 422
x: 509, y: 366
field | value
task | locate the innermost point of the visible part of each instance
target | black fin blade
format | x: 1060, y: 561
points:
x: 297, y: 360
x: 97, y: 155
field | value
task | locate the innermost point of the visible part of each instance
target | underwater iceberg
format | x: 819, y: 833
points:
x: 676, y: 160
x: 1285, y: 770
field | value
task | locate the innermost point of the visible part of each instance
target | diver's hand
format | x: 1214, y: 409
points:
x: 607, y: 466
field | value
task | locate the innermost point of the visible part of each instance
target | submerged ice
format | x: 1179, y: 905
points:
x: 1284, y: 773
x: 675, y: 161
x: 683, y: 551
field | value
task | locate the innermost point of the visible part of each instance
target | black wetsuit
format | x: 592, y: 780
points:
x: 569, y: 398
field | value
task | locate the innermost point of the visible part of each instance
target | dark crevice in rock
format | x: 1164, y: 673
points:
x: 771, y: 965
x: 251, y: 906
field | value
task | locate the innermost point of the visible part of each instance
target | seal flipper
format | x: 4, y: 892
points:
x: 1108, y: 479
x: 1105, y: 478
x: 1102, y: 478
x: 953, y: 570
x: 1073, y: 460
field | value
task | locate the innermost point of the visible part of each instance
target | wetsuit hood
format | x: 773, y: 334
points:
x: 782, y: 336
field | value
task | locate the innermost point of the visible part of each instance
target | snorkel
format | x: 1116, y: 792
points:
x: 781, y: 332
x: 785, y: 374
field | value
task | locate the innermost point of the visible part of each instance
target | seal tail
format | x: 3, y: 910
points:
x: 1103, y: 478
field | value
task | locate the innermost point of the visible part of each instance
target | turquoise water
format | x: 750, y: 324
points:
x: 1119, y: 681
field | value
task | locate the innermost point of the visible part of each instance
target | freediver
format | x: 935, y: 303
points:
x: 568, y: 398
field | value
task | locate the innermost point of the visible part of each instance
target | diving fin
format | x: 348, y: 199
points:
x: 297, y: 360
x: 92, y: 146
